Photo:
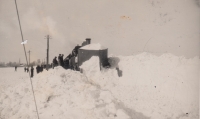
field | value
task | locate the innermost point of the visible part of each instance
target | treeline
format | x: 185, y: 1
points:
x: 9, y: 64
x: 13, y: 64
x: 2, y: 64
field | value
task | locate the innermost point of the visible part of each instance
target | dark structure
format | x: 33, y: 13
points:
x: 86, y: 42
x: 86, y: 54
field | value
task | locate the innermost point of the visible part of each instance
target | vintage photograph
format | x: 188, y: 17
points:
x: 99, y: 59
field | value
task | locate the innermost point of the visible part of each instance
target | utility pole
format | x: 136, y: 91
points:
x: 47, y: 66
x: 47, y: 61
x: 29, y: 57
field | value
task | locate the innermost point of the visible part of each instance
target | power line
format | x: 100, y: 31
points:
x: 146, y: 44
x: 26, y: 57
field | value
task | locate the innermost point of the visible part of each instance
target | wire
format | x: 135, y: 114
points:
x: 146, y: 44
x: 26, y: 58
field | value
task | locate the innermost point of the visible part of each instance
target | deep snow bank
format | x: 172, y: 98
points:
x: 160, y: 87
x: 150, y: 87
x: 60, y: 94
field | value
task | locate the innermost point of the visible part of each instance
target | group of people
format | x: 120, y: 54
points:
x: 26, y: 69
x: 58, y: 62
x: 72, y: 59
x: 70, y: 62
x: 39, y: 68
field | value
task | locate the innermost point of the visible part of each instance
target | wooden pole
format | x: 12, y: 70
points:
x: 47, y: 63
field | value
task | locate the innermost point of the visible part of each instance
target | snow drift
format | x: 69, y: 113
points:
x: 153, y: 87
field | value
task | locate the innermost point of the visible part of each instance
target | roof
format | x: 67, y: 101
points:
x: 93, y: 47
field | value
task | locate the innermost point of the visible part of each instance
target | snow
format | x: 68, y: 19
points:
x: 91, y: 67
x: 10, y: 77
x: 156, y: 87
x: 93, y: 46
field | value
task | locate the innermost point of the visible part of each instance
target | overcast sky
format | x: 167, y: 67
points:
x: 125, y: 27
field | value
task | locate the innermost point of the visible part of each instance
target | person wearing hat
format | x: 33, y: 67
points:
x: 55, y: 62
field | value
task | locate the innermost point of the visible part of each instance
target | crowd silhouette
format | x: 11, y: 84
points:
x: 70, y: 62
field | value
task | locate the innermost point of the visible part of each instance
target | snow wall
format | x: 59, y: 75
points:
x: 151, y: 87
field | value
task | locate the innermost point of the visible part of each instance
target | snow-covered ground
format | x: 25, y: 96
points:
x: 10, y: 77
x: 150, y: 87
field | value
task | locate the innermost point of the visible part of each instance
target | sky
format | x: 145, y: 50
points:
x: 125, y: 27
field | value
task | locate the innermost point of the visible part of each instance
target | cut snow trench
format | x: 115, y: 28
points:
x: 90, y: 69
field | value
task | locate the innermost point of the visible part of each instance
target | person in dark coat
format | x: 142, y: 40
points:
x: 32, y: 71
x: 66, y: 63
x: 38, y: 69
x: 75, y: 50
x: 61, y: 60
x: 24, y: 69
x: 55, y: 62
x: 15, y: 68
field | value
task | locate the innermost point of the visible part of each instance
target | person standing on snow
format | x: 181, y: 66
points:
x: 32, y: 71
x: 24, y: 69
x: 61, y: 60
x: 38, y: 69
x: 55, y: 62
x: 66, y: 63
x: 15, y: 68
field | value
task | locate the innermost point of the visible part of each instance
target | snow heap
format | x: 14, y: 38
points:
x: 91, y: 68
x: 150, y: 87
x: 93, y: 47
